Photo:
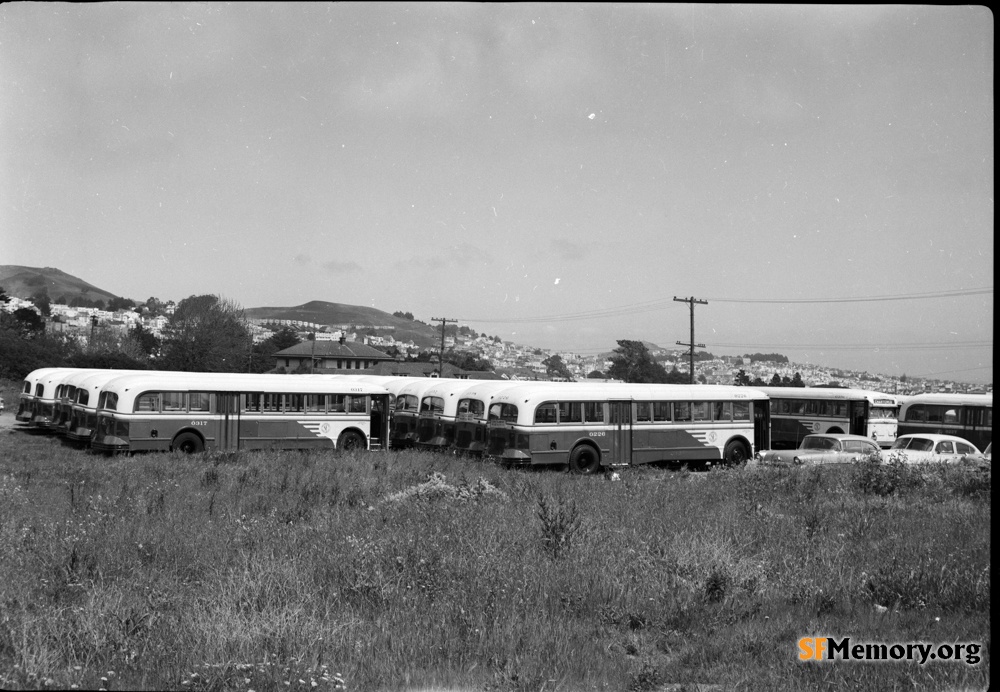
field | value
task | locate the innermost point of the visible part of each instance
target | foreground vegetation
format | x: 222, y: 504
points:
x: 277, y: 571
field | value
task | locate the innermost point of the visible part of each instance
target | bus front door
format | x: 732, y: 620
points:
x: 227, y: 436
x: 621, y: 432
x: 859, y: 418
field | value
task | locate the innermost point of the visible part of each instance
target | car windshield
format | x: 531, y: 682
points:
x: 823, y: 443
x: 918, y: 444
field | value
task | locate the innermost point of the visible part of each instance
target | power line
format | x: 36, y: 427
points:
x: 931, y: 345
x: 865, y: 299
x: 648, y: 306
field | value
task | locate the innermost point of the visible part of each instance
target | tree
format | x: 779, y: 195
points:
x: 26, y: 322
x: 148, y: 342
x: 632, y: 362
x: 742, y: 379
x: 207, y: 334
x: 555, y: 367
x: 42, y: 302
x: 596, y: 375
x: 120, y: 304
x: 797, y: 381
x: 776, y: 380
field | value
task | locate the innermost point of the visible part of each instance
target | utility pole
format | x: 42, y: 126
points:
x: 691, y: 301
x: 312, y: 356
x: 444, y: 320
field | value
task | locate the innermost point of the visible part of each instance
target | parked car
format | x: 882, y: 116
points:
x: 824, y: 449
x: 929, y: 447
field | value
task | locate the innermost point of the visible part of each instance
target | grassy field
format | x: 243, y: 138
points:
x: 409, y: 571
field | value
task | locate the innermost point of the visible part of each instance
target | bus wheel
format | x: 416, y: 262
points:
x: 736, y: 453
x: 188, y: 443
x: 585, y: 460
x: 350, y: 440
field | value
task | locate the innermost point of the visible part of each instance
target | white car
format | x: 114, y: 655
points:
x: 827, y: 448
x: 929, y: 447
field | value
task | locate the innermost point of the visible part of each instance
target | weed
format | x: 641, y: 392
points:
x: 560, y: 523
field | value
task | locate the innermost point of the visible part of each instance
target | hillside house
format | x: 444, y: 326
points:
x: 329, y: 356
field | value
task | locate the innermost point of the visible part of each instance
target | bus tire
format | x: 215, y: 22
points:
x: 350, y: 440
x: 584, y: 459
x: 188, y: 443
x: 736, y: 453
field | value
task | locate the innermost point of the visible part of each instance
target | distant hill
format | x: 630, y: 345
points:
x: 322, y: 312
x: 24, y: 282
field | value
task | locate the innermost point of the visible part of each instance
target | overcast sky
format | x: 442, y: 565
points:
x: 554, y: 174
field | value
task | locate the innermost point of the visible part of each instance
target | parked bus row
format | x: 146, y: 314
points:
x: 583, y: 424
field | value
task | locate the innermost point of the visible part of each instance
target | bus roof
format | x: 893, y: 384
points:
x: 832, y: 393
x: 238, y: 382
x: 953, y: 399
x: 539, y: 392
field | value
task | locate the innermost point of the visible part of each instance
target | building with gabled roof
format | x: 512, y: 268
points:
x: 327, y: 356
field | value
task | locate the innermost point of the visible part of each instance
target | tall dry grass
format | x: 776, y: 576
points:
x: 372, y: 571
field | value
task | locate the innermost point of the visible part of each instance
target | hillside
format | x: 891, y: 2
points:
x: 24, y: 282
x: 322, y: 312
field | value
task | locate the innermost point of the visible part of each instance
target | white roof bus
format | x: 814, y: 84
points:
x: 470, y: 423
x: 227, y: 412
x: 407, y: 411
x: 589, y: 426
x: 800, y: 411
x: 47, y: 397
x: 66, y: 395
x: 438, y: 413
x: 26, y: 400
x: 83, y: 408
x: 969, y: 416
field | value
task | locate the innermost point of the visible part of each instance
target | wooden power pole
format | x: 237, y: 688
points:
x: 691, y: 301
x: 443, y: 320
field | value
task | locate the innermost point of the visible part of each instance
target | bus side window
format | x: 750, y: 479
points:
x: 337, y: 403
x: 661, y: 411
x: 357, y: 404
x: 593, y: 412
x: 173, y: 401
x: 700, y: 411
x: 570, y: 412
x: 293, y: 403
x: 723, y: 411
x: 951, y: 416
x: 741, y: 410
x: 148, y: 402
x: 642, y: 412
x: 314, y: 403
x: 812, y: 408
x: 682, y: 410
x: 199, y: 401
x: 545, y: 413
x: 252, y: 403
x: 271, y: 403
